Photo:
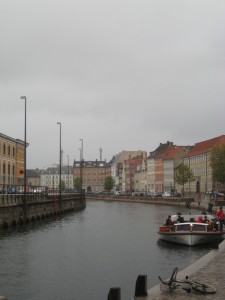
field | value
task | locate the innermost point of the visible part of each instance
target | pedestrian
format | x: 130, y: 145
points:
x: 220, y: 216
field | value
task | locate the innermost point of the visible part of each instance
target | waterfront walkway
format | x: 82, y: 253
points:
x: 209, y: 269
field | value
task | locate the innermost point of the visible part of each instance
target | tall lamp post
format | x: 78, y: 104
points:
x: 206, y: 172
x: 60, y: 166
x: 25, y: 157
x: 81, y: 163
x: 68, y: 170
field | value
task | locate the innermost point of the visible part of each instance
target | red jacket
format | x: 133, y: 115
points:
x: 220, y: 214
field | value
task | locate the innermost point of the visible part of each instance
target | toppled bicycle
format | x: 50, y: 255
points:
x: 185, y: 284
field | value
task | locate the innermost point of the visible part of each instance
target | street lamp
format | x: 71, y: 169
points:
x: 25, y: 156
x: 60, y: 166
x: 68, y: 170
x: 206, y: 172
x: 80, y: 153
x: 81, y: 163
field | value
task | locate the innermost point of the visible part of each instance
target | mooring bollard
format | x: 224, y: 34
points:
x: 141, y: 286
x: 114, y: 294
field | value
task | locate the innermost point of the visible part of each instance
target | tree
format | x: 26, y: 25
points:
x: 77, y: 183
x: 217, y: 160
x: 183, y: 175
x: 63, y: 185
x: 109, y: 183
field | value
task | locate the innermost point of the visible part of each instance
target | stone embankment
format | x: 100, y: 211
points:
x: 188, y: 202
x: 13, y: 210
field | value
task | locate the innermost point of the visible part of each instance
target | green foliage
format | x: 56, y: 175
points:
x: 63, y: 185
x: 77, y: 183
x: 217, y: 160
x: 183, y: 175
x: 109, y: 183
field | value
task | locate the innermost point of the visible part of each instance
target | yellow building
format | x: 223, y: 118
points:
x: 11, y: 161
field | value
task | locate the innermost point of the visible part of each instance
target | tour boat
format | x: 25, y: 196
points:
x: 190, y: 232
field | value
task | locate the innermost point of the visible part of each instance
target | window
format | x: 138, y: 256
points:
x: 9, y: 150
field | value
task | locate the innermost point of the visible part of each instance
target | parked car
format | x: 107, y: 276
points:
x: 2, y: 190
x: 12, y: 191
x: 166, y: 194
x: 176, y: 195
x: 158, y: 194
x: 118, y: 193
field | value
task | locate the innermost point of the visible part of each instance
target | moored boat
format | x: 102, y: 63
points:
x: 190, y: 232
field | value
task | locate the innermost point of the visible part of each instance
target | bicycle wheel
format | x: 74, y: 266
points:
x: 174, y: 275
x: 203, y: 288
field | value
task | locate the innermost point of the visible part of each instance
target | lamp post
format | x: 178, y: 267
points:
x: 206, y: 172
x: 81, y: 163
x: 60, y: 166
x: 68, y: 170
x: 80, y: 153
x: 25, y: 157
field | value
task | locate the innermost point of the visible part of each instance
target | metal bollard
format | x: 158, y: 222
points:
x: 141, y: 286
x: 114, y: 294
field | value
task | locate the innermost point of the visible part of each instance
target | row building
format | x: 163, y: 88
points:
x: 132, y: 171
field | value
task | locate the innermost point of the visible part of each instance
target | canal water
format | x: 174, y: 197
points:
x: 82, y: 255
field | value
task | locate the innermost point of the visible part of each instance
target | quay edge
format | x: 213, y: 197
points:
x: 38, y: 207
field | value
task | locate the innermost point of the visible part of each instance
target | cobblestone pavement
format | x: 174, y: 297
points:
x: 209, y: 269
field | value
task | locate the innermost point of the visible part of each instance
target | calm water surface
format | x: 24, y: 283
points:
x: 84, y: 254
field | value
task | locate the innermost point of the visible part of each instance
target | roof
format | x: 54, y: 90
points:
x: 169, y: 152
x: 206, y: 146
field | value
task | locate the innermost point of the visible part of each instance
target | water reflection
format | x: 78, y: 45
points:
x: 83, y: 254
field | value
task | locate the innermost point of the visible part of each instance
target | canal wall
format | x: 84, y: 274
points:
x: 14, y: 211
x: 187, y: 201
x: 205, y: 204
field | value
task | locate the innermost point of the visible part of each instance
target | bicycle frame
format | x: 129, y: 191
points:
x: 173, y: 283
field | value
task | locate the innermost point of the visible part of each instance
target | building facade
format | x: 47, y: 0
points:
x: 161, y: 165
x: 50, y: 177
x: 92, y: 174
x: 118, y: 166
x: 11, y: 161
x: 198, y: 159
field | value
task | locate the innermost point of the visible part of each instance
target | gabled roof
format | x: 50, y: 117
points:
x: 206, y: 146
x: 169, y: 152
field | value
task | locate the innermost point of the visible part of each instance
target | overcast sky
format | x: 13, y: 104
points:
x: 121, y: 74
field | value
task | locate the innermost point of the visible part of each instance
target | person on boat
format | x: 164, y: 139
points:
x: 180, y: 219
x: 207, y: 221
x: 216, y: 224
x: 169, y: 221
x: 220, y: 216
x: 200, y: 220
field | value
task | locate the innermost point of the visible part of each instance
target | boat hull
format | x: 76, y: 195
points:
x: 191, y: 239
